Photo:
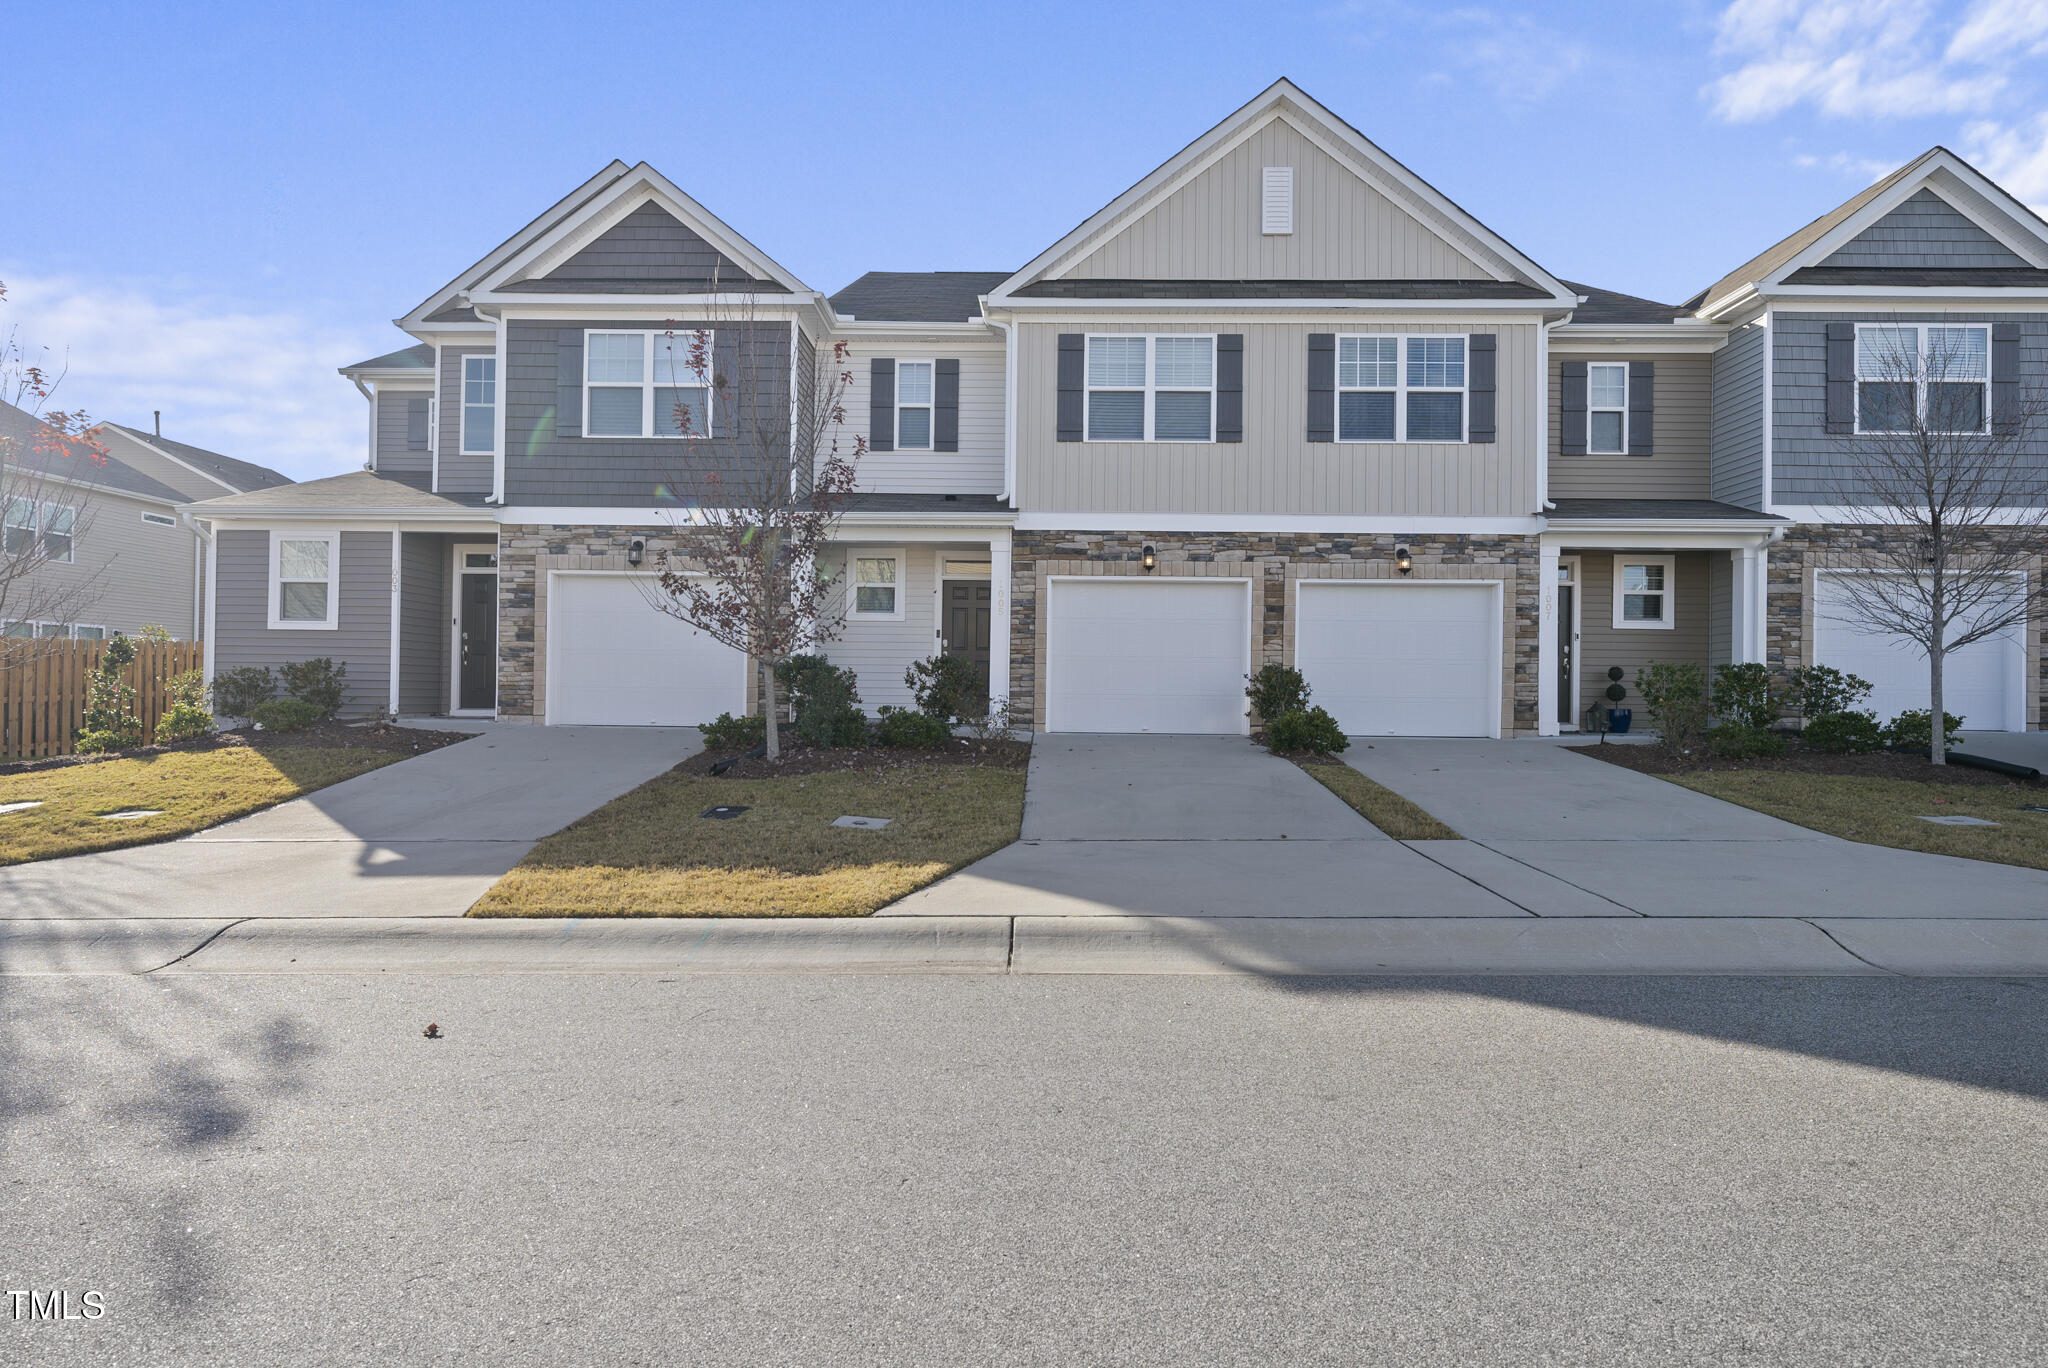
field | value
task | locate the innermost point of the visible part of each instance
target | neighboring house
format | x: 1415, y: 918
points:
x: 119, y: 556
x: 1279, y: 401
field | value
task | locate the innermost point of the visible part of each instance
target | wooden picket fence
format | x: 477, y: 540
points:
x: 43, y: 683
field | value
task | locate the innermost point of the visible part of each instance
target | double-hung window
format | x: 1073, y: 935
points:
x: 1151, y: 389
x: 304, y: 579
x: 647, y: 384
x: 1401, y: 389
x: 913, y: 405
x: 1644, y: 587
x: 1606, y: 408
x: 26, y: 522
x: 1935, y: 377
x: 479, y: 405
x: 877, y: 584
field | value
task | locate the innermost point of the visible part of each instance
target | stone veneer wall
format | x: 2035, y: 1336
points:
x: 1273, y: 560
x: 1789, y: 600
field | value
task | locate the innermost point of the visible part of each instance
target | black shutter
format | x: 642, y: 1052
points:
x: 2005, y: 376
x: 416, y: 422
x: 1841, y: 411
x: 946, y: 405
x: 882, y: 403
x: 1322, y: 387
x: 1571, y: 408
x: 1230, y: 387
x: 569, y: 382
x: 1482, y: 353
x: 1073, y: 367
x: 1642, y: 407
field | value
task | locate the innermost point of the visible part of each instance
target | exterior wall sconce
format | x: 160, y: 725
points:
x: 635, y: 550
x: 1402, y: 560
x: 1151, y: 557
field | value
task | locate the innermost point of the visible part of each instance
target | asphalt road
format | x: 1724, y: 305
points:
x: 1003, y: 1170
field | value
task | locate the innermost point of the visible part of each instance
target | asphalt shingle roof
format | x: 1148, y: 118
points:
x: 917, y: 296
x: 34, y: 445
x: 419, y: 356
x: 1689, y: 510
x: 243, y: 475
x: 1612, y: 306
x: 358, y: 489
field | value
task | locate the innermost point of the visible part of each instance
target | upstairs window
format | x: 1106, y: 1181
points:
x: 479, y: 405
x: 1151, y: 389
x: 1933, y: 377
x: 643, y: 384
x: 28, y: 523
x: 1401, y: 389
x: 1606, y: 409
x: 913, y: 405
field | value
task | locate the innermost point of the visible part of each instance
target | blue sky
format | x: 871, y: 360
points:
x: 216, y: 207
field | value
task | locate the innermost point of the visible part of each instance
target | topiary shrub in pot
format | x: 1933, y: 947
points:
x: 1618, y: 717
x: 905, y: 729
x: 1276, y: 690
x: 1306, y: 730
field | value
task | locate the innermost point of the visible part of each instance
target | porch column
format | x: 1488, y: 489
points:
x: 999, y: 618
x: 1546, y: 639
x: 1746, y: 614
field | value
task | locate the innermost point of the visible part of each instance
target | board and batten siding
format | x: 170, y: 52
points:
x: 1736, y: 442
x: 1276, y: 469
x: 361, y: 639
x: 1209, y: 229
x: 977, y: 467
x: 459, y: 474
x: 1602, y: 645
x: 1677, y: 465
x: 394, y: 455
x: 424, y: 617
x: 1810, y: 466
x: 542, y: 466
x: 124, y: 574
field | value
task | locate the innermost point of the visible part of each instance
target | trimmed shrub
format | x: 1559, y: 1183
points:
x: 903, y: 729
x: 318, y: 681
x: 1820, y: 690
x: 1913, y: 729
x: 1306, y: 729
x: 110, y: 722
x: 992, y: 725
x: 1747, y: 696
x: 1844, y: 733
x: 286, y: 714
x: 946, y: 687
x: 729, y: 735
x: 825, y: 701
x: 1276, y: 690
x: 1675, y: 696
x: 1734, y: 741
x: 188, y: 718
x: 236, y: 692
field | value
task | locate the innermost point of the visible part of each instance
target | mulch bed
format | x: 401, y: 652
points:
x: 1802, y: 759
x: 799, y: 758
x: 322, y: 736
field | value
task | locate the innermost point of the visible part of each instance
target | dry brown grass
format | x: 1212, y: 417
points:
x: 1887, y: 812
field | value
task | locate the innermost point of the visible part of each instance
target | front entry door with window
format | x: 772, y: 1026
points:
x: 967, y: 624
x: 476, y: 625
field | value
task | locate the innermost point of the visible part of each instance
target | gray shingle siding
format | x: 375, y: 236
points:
x: 1810, y: 467
x: 459, y: 474
x: 361, y: 639
x: 1736, y: 472
x: 395, y: 455
x: 423, y: 623
x: 648, y: 245
x: 1924, y: 231
x: 545, y: 468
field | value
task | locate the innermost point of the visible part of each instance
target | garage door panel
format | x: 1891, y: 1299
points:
x: 1128, y: 655
x: 1402, y: 659
x: 615, y: 659
x: 1979, y: 682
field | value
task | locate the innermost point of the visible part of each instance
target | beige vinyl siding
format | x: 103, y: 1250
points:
x: 977, y: 468
x: 879, y: 650
x: 1344, y: 229
x: 1602, y: 645
x: 124, y: 574
x: 394, y: 456
x: 360, y: 640
x: 1678, y: 466
x: 1276, y: 469
x: 460, y: 474
x: 162, y: 469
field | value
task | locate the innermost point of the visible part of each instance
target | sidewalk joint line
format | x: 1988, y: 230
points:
x: 1847, y: 951
x: 197, y: 948
x: 1612, y: 902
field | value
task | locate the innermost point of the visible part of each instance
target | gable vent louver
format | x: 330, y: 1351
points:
x: 1276, y: 200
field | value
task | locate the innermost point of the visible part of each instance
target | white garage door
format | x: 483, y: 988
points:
x: 1402, y: 658
x: 614, y: 659
x: 1983, y: 683
x: 1161, y: 655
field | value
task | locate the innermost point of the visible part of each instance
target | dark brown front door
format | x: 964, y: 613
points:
x: 478, y: 687
x: 967, y: 624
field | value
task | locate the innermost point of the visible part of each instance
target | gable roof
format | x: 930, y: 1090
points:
x: 1954, y: 181
x: 1490, y: 253
x: 419, y: 357
x: 358, y: 490
x: 241, y: 476
x: 917, y: 296
x: 36, y: 446
x: 1612, y: 306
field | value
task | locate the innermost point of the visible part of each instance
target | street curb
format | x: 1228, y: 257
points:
x: 112, y: 945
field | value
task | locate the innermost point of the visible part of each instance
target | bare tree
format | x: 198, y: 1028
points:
x: 763, y: 450
x: 1951, y: 471
x: 49, y: 464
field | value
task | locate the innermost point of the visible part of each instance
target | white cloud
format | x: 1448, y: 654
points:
x: 2014, y: 155
x: 1521, y: 61
x: 1863, y: 58
x: 1860, y: 168
x: 259, y: 386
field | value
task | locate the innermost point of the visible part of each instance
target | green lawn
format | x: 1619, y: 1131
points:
x: 195, y: 790
x: 649, y: 854
x: 1381, y: 806
x: 1887, y: 811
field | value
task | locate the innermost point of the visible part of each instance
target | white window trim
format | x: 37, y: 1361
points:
x: 78, y: 627
x: 1401, y: 391
x: 1670, y: 592
x: 39, y: 529
x: 68, y: 630
x: 931, y: 406
x: 646, y: 383
x: 275, y: 580
x: 1920, y: 380
x: 158, y: 519
x: 462, y: 419
x: 1150, y: 389
x: 895, y: 553
x: 1591, y: 409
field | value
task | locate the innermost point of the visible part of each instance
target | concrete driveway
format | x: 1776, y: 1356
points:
x: 422, y: 838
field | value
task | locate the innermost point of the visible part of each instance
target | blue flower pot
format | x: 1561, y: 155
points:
x: 1618, y: 719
